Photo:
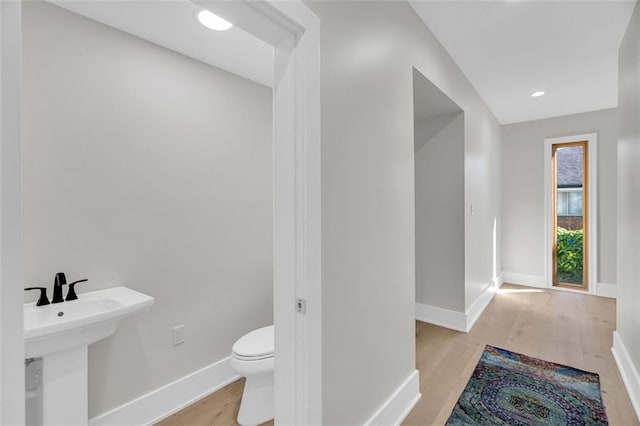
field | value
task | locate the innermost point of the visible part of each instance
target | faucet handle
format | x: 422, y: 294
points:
x: 43, y: 300
x: 71, y: 294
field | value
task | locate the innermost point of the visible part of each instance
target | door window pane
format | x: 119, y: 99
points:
x: 569, y: 233
x: 575, y: 203
x: 563, y: 205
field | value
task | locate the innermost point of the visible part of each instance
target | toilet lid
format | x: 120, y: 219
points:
x: 256, y: 344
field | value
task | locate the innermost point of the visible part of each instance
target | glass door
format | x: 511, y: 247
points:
x: 570, y: 213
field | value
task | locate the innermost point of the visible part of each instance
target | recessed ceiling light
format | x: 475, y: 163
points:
x: 213, y: 21
x: 536, y: 94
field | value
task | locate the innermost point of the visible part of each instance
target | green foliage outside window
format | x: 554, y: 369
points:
x: 570, y: 255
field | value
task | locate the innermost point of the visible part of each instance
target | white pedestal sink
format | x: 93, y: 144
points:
x: 60, y: 334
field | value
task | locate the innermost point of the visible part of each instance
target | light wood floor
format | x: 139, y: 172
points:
x: 562, y: 327
x: 219, y: 408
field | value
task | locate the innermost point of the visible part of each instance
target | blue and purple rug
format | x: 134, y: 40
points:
x: 507, y: 388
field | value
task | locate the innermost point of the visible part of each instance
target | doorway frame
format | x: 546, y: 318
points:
x: 591, y: 242
x: 12, y: 393
x: 294, y: 32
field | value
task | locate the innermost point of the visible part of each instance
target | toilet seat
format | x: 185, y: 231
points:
x: 256, y: 345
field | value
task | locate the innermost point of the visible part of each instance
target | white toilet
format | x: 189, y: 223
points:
x: 252, y: 357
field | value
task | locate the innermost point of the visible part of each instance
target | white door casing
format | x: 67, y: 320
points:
x: 12, y: 397
x: 592, y: 278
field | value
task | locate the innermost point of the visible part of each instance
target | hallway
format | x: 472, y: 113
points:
x: 558, y: 326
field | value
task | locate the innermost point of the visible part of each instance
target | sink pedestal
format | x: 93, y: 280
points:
x: 65, y: 371
x: 65, y: 387
x: 60, y: 335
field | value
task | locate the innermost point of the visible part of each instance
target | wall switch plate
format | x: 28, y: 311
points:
x: 178, y: 334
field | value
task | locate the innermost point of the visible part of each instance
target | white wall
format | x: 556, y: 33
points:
x: 483, y: 251
x: 368, y: 210
x: 628, y: 318
x: 148, y: 169
x: 12, y: 375
x: 523, y: 190
x: 439, y: 198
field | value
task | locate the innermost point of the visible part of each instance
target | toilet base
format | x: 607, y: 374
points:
x: 256, y: 406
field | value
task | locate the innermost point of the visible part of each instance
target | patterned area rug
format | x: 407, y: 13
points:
x: 507, y: 388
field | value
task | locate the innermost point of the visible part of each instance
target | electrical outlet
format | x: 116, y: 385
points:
x: 178, y: 334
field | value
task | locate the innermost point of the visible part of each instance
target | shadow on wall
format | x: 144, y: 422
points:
x: 439, y: 197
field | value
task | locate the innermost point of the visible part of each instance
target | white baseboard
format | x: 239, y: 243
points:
x: 170, y: 398
x: 607, y: 290
x: 398, y: 406
x: 602, y: 289
x: 628, y: 371
x: 442, y: 317
x: 524, y: 279
x: 453, y: 319
x: 477, y: 308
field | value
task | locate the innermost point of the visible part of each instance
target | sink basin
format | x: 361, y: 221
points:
x: 93, y: 316
x: 60, y: 334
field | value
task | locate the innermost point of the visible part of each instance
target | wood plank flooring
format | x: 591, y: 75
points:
x: 219, y: 408
x: 563, y: 327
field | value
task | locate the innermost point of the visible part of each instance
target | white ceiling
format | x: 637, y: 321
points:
x: 510, y: 49
x: 173, y: 24
x: 507, y: 49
